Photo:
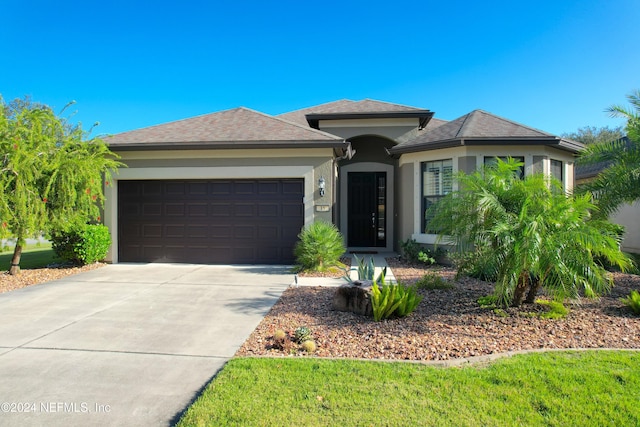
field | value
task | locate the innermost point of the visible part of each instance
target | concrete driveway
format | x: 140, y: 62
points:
x: 125, y: 344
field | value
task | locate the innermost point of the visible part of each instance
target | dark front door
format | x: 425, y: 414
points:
x: 367, y: 209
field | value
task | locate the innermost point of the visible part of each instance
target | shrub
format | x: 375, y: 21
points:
x: 413, y: 252
x: 633, y: 301
x: 488, y: 301
x: 319, y: 247
x: 555, y: 309
x: 433, y: 281
x: 84, y: 244
x: 393, y: 300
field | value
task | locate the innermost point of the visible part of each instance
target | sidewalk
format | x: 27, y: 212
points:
x: 378, y: 260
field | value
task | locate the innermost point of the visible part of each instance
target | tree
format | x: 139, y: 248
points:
x: 51, y: 174
x: 530, y: 232
x: 592, y: 135
x: 619, y: 182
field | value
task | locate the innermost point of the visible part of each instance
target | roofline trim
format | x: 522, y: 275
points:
x: 152, y: 146
x: 423, y: 115
x: 560, y: 143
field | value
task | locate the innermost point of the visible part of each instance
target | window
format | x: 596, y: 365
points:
x: 491, y: 160
x: 436, y: 183
x: 557, y: 170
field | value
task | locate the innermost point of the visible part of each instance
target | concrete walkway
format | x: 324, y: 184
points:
x: 125, y: 344
x: 379, y: 260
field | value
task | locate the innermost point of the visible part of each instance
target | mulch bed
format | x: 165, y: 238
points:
x: 447, y: 324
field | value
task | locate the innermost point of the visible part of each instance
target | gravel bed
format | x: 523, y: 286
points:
x: 40, y: 275
x: 447, y: 324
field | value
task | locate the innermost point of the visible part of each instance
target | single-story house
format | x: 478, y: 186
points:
x: 237, y: 186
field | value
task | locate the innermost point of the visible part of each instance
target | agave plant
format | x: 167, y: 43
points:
x: 366, y: 270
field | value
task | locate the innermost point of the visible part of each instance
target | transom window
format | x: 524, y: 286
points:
x: 437, y: 182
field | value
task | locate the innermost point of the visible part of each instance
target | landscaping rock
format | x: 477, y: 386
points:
x: 354, y: 297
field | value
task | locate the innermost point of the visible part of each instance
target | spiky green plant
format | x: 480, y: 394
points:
x: 301, y: 334
x: 389, y: 300
x: 633, y: 301
x: 366, y: 270
x: 319, y: 247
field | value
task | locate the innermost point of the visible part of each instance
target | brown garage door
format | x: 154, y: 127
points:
x: 218, y: 221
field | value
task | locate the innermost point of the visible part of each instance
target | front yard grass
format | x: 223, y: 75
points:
x: 32, y: 257
x: 591, y: 388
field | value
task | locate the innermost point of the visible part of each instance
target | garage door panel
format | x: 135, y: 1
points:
x: 245, y: 232
x: 197, y: 188
x: 197, y: 209
x: 268, y: 210
x: 175, y: 188
x: 150, y: 209
x: 198, y: 231
x: 244, y: 209
x: 292, y: 210
x: 174, y: 209
x: 221, y: 209
x: 268, y: 232
x: 293, y: 188
x: 174, y: 231
x: 221, y: 231
x: 151, y: 231
x: 152, y: 188
x: 217, y: 221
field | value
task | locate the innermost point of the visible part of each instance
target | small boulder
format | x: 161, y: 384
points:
x: 354, y: 297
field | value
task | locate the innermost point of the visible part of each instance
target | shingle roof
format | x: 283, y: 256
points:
x: 236, y: 126
x: 346, y: 106
x: 481, y: 127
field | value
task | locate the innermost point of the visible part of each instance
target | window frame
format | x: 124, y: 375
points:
x: 444, y: 185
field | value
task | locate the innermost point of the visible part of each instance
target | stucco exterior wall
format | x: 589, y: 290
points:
x: 406, y: 201
x: 629, y: 217
x: 467, y: 159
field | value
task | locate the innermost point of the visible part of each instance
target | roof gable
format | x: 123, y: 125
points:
x: 481, y: 127
x: 230, y: 126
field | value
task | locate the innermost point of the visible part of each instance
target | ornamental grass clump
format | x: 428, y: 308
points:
x: 319, y: 247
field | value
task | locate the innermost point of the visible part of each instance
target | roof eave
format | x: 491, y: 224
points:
x: 559, y: 143
x: 155, y: 146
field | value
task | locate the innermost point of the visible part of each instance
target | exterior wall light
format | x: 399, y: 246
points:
x: 321, y: 186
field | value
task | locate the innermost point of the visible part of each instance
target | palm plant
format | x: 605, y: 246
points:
x: 530, y: 233
x: 619, y: 182
x: 320, y: 247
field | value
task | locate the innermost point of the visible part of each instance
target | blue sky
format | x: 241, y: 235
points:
x: 551, y: 64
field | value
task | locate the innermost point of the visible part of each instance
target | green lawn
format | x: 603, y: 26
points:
x: 32, y: 257
x: 595, y: 388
